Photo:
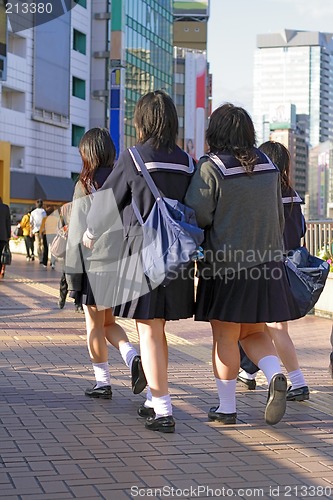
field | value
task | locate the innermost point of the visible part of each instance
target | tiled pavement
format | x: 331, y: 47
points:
x: 57, y: 444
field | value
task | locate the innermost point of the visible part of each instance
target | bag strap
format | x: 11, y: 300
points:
x: 136, y: 157
x: 138, y: 161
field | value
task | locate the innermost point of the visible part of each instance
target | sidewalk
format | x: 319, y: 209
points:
x: 58, y: 444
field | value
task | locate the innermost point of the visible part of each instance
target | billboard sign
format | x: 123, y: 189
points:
x: 190, y: 103
x: 282, y: 116
x: 191, y: 8
x: 195, y: 103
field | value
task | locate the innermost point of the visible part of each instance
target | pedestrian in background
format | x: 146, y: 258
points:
x: 62, y: 224
x: 156, y: 124
x: 330, y: 368
x: 5, y: 231
x: 98, y: 154
x: 236, y: 195
x: 28, y: 239
x: 294, y: 230
x: 46, y: 237
x: 36, y: 218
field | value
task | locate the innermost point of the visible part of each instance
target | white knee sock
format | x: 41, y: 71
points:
x: 297, y: 379
x: 270, y: 365
x: 149, y: 401
x: 162, y: 406
x: 227, y: 393
x: 128, y: 353
x: 102, y: 374
x: 248, y: 376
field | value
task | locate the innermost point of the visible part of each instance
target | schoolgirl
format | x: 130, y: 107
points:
x: 236, y: 195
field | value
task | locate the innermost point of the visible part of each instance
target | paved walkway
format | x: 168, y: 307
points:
x: 57, y: 444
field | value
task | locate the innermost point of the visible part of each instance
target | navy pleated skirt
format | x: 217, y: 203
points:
x: 259, y: 294
x: 128, y: 292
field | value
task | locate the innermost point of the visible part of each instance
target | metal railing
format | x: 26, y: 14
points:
x: 319, y: 236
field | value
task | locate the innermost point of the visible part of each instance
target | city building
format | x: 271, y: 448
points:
x: 141, y: 60
x: 283, y: 125
x: 321, y: 181
x: 86, y: 67
x: 44, y: 107
x: 295, y: 67
x: 298, y: 150
x: 3, y: 40
x: 192, y: 89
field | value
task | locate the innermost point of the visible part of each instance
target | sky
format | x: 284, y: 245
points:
x: 232, y: 29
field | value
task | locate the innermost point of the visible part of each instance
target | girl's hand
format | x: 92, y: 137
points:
x: 87, y: 242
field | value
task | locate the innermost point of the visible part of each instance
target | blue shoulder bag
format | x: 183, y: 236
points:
x: 171, y: 236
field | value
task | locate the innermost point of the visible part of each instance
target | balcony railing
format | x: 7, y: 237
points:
x: 319, y: 236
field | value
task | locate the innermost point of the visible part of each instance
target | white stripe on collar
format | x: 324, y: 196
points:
x: 292, y: 199
x: 159, y: 165
x: 260, y: 167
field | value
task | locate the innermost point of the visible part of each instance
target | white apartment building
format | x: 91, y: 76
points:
x: 49, y: 99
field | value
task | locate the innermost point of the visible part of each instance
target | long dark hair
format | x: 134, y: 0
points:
x: 231, y: 129
x: 279, y: 155
x: 97, y: 150
x: 155, y: 118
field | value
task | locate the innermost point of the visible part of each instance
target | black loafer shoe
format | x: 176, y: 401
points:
x: 162, y: 424
x: 299, y: 394
x: 222, y: 418
x: 250, y: 384
x: 276, y: 400
x: 145, y: 411
x: 139, y: 381
x: 99, y: 392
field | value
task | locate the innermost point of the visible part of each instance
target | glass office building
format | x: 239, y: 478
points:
x: 295, y: 67
x: 142, y: 32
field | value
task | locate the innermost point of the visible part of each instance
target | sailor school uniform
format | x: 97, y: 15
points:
x: 171, y: 172
x: 242, y: 278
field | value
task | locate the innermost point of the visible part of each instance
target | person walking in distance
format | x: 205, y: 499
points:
x: 44, y: 232
x: 294, y: 231
x: 5, y: 231
x: 28, y: 240
x: 242, y: 280
x: 36, y: 218
x: 63, y: 223
x: 98, y: 153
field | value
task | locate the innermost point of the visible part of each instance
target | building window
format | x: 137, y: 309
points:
x: 79, y: 88
x: 179, y: 100
x: 179, y: 77
x: 13, y: 99
x: 77, y: 133
x: 17, y: 45
x: 83, y: 3
x: 79, y: 41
